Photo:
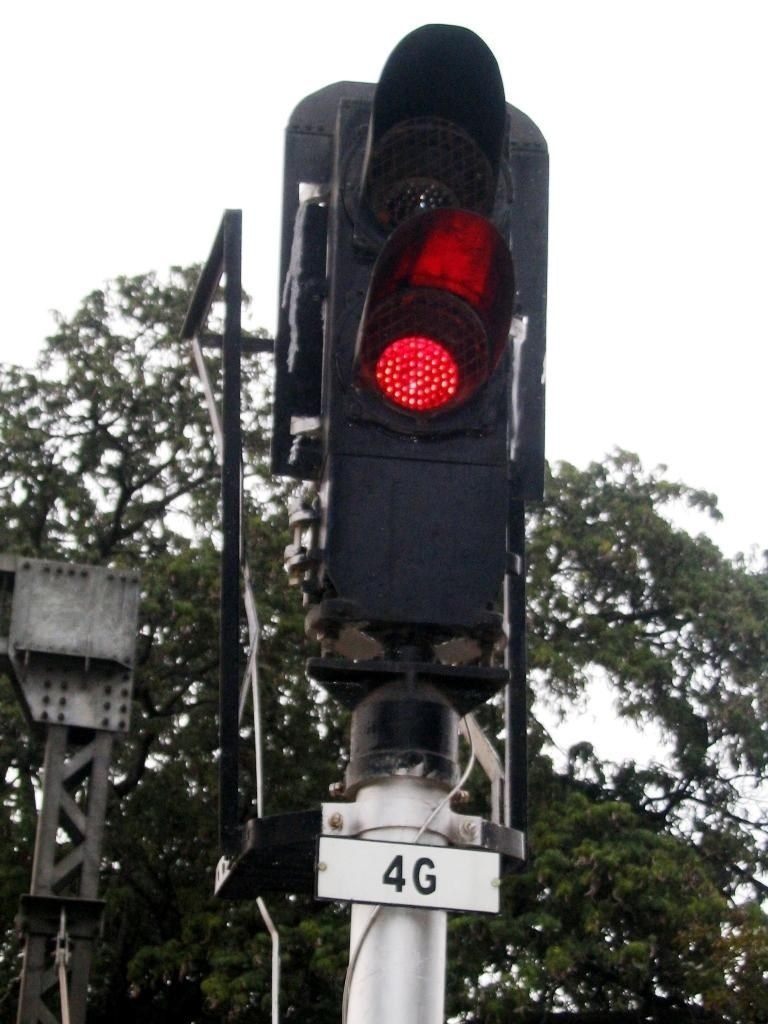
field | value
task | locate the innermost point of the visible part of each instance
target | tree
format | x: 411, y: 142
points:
x: 643, y: 897
x: 645, y: 887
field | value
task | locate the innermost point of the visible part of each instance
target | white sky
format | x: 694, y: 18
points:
x: 130, y: 126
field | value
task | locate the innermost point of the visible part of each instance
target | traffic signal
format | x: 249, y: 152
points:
x: 411, y: 341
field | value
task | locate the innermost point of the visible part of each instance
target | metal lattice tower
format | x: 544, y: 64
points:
x: 68, y: 647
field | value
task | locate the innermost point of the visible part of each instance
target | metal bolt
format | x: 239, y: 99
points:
x: 468, y: 830
x: 336, y: 821
x: 337, y: 789
x: 460, y: 797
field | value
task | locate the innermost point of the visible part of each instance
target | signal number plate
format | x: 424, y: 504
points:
x: 407, y: 874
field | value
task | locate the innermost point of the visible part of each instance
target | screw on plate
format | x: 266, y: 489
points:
x: 468, y: 830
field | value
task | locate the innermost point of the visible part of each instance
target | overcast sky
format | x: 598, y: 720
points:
x: 130, y: 127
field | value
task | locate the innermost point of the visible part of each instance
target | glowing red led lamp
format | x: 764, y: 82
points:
x: 417, y: 373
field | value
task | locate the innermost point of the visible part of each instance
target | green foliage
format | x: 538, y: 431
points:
x: 642, y: 898
x: 680, y: 633
x: 617, y: 913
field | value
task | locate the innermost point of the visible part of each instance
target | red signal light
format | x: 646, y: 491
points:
x: 417, y: 373
x: 438, y: 312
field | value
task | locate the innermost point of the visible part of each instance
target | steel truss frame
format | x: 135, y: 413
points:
x: 62, y: 914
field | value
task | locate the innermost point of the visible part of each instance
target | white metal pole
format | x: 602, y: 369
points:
x: 397, y: 959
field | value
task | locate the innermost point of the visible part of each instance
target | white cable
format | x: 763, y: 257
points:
x: 254, y: 633
x: 64, y: 993
x: 355, y: 954
x: 353, y: 957
x: 446, y: 799
x: 62, y: 962
x: 275, y: 936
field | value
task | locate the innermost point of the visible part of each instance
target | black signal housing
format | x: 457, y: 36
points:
x: 429, y: 196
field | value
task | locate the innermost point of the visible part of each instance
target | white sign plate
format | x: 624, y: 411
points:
x: 407, y: 874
